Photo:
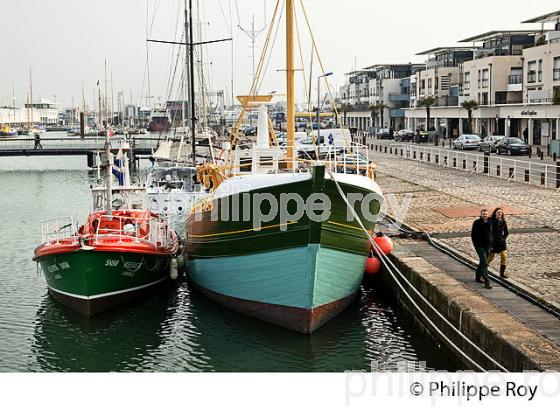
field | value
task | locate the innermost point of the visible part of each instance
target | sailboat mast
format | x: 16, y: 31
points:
x: 191, y: 81
x: 291, y: 120
x: 30, y: 98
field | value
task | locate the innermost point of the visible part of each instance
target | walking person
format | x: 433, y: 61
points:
x: 37, y: 141
x: 481, y: 235
x: 500, y: 233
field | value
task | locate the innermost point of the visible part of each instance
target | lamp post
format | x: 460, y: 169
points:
x: 319, y: 105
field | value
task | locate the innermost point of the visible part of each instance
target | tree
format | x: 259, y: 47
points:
x: 427, y: 102
x: 344, y: 108
x: 377, y: 109
x: 470, y: 105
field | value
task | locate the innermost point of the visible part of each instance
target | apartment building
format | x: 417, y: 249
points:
x: 513, y: 75
x: 385, y: 85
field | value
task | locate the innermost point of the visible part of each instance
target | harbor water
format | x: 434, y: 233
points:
x: 176, y: 329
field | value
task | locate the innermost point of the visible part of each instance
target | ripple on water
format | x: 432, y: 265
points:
x: 176, y: 329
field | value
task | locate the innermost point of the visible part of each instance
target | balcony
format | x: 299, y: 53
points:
x: 396, y: 113
x: 556, y: 74
x: 399, y: 97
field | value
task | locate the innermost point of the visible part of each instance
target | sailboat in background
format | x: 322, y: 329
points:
x: 298, y: 272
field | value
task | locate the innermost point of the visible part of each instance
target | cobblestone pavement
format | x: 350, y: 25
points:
x: 533, y: 255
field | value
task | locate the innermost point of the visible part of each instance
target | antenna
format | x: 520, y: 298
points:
x: 252, y: 33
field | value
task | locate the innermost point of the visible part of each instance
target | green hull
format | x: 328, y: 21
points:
x: 299, y: 277
x: 93, y: 281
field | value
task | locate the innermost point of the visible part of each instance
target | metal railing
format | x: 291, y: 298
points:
x: 515, y: 79
x: 153, y: 230
x: 56, y: 230
x: 71, y: 144
x: 352, y: 158
x: 532, y: 173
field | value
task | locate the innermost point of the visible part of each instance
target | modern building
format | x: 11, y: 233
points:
x: 514, y: 76
x: 386, y: 86
x: 37, y: 113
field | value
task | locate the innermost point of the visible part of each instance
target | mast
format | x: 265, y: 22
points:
x: 30, y: 110
x: 291, y: 120
x: 191, y: 81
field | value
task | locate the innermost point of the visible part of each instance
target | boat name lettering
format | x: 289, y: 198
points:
x: 128, y: 273
x: 64, y: 265
x: 57, y: 276
x: 52, y: 268
x: 112, y: 262
x: 131, y: 265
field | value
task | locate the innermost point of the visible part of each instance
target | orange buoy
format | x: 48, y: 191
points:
x: 373, y: 266
x: 384, y: 242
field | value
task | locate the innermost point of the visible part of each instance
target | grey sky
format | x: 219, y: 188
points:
x: 66, y: 41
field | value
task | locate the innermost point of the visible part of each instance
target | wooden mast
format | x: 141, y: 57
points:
x: 291, y: 120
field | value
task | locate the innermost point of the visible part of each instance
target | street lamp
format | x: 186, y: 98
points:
x: 319, y: 105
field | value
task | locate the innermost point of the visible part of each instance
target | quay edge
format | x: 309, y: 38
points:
x: 502, y: 336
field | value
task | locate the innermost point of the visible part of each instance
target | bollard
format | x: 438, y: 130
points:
x: 557, y: 175
x: 543, y: 177
x: 401, y: 152
x: 429, y: 157
x: 511, y: 173
x: 530, y: 152
x: 486, y: 162
x: 498, y: 170
x: 421, y: 156
x: 385, y: 149
x: 437, y: 159
x: 464, y: 164
x: 376, y: 148
x: 454, y: 162
x: 554, y: 157
x: 414, y: 155
x: 542, y: 155
x: 526, y: 175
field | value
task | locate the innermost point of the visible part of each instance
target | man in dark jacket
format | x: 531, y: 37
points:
x: 481, y: 235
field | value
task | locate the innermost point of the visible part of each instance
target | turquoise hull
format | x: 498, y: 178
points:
x: 299, y: 288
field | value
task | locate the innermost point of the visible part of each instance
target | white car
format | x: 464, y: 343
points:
x: 467, y: 141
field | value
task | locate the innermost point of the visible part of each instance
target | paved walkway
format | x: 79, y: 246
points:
x: 534, y: 244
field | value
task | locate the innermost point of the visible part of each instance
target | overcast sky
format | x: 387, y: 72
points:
x: 65, y: 42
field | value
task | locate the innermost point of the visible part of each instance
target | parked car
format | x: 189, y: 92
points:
x: 467, y: 141
x: 512, y: 146
x: 489, y: 143
x: 249, y: 130
x: 383, y: 134
x: 404, y: 135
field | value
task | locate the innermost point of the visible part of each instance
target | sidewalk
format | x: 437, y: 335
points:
x: 533, y: 245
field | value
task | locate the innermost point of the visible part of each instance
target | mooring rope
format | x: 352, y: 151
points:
x: 391, y: 268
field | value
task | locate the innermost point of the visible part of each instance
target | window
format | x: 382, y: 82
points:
x: 467, y: 81
x: 532, y: 72
x: 540, y: 72
x: 429, y: 83
x: 485, y: 77
x: 556, y: 69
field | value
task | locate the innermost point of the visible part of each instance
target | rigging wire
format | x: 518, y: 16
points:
x: 272, y: 47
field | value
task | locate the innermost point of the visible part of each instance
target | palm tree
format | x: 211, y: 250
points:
x: 377, y: 109
x: 344, y: 108
x: 427, y: 102
x: 470, y: 106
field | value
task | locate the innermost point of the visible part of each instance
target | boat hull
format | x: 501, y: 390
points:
x: 298, y: 277
x: 92, y: 281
